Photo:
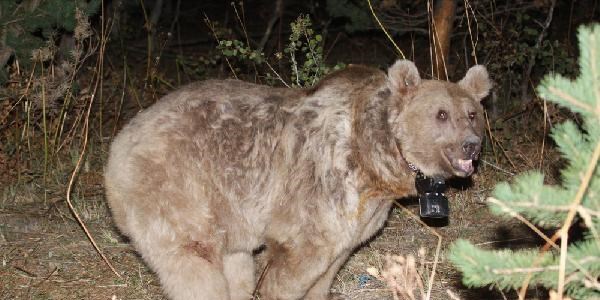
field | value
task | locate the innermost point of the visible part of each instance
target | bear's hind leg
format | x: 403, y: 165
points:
x: 188, y: 271
x: 294, y: 269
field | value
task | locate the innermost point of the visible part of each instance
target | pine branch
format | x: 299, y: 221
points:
x: 507, y: 269
x: 573, y: 268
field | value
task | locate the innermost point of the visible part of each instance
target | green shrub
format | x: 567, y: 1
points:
x: 303, y: 53
x: 31, y: 25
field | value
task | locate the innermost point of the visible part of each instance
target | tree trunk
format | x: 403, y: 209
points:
x: 443, y: 20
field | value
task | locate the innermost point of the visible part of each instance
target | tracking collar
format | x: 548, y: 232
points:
x: 432, y: 200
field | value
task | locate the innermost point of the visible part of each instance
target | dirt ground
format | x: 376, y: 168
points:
x: 46, y: 255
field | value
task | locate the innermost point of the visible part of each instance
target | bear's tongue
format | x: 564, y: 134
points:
x: 465, y: 165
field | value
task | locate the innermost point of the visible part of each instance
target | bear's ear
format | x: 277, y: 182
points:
x: 403, y: 75
x: 476, y: 82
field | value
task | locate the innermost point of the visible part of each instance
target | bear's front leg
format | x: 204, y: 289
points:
x: 295, y: 268
x: 321, y: 288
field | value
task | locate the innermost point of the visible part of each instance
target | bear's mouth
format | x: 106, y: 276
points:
x: 460, y: 167
x: 463, y: 165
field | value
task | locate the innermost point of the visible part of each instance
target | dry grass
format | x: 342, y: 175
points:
x: 402, y: 276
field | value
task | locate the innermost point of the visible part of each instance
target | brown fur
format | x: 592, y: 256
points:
x: 216, y: 169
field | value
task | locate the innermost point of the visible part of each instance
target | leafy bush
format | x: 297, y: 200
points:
x: 304, y: 53
x: 31, y: 25
x: 508, y: 53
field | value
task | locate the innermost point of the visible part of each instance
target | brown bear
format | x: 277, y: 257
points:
x: 220, y: 168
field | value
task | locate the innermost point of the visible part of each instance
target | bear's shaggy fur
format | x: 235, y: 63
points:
x: 217, y: 169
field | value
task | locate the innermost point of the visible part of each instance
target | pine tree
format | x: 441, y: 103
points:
x: 577, y: 198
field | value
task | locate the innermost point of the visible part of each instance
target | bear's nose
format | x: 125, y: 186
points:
x: 471, y: 146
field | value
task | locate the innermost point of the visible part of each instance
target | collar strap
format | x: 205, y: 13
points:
x: 410, y: 165
x: 413, y: 167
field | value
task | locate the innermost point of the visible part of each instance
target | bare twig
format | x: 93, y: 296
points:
x: 149, y: 38
x: 524, y: 270
x: 242, y: 21
x: 47, y: 276
x: 277, y: 74
x: 506, y: 155
x: 497, y: 167
x: 263, y: 274
x: 155, y: 14
x: 468, y: 9
x: 385, y: 31
x: 276, y: 15
x: 541, y: 164
x: 176, y: 17
x: 80, y: 160
x: 214, y: 32
x: 122, y: 98
x: 572, y: 100
x: 586, y: 215
x: 429, y: 34
x: 534, y: 52
x: 517, y: 216
x: 452, y: 295
x: 571, y: 215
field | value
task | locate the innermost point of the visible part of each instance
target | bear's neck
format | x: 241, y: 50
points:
x: 384, y: 173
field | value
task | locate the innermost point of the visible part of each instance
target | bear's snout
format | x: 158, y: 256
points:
x: 472, y: 146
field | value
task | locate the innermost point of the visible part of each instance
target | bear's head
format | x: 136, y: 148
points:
x: 438, y: 125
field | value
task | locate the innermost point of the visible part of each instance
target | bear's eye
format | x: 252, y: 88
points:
x: 442, y: 115
x: 472, y: 116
